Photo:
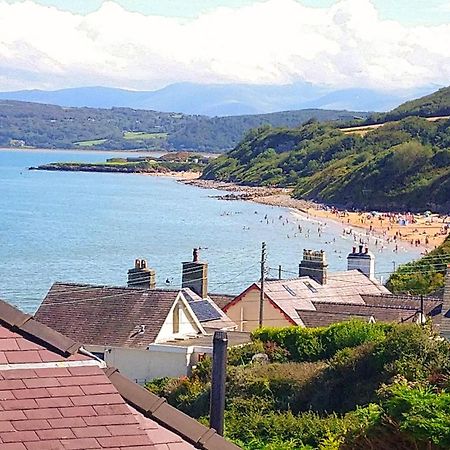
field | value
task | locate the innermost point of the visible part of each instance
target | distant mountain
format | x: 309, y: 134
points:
x: 223, y: 99
x: 26, y: 124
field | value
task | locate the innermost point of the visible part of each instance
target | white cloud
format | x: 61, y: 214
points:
x: 277, y: 41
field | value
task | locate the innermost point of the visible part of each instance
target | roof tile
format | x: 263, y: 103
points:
x: 58, y: 433
x: 43, y: 413
x: 80, y: 444
x: 124, y: 441
x: 45, y: 445
x: 19, y: 436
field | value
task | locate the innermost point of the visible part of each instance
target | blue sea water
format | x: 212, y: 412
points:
x: 89, y: 228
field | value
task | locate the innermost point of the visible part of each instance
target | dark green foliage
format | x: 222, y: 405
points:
x: 424, y: 276
x: 49, y: 126
x: 436, y: 104
x: 400, y: 166
x: 376, y: 386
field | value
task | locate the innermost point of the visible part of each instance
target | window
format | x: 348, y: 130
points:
x: 291, y: 291
x: 310, y: 287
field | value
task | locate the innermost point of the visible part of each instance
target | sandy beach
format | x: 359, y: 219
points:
x: 186, y: 176
x: 425, y: 231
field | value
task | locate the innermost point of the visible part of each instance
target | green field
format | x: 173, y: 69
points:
x: 90, y: 143
x: 131, y: 135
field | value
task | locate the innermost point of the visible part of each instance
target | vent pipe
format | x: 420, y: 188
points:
x: 219, y: 372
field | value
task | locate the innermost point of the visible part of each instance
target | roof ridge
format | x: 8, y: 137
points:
x: 362, y: 304
x: 108, y: 286
x: 27, y: 326
x: 156, y: 408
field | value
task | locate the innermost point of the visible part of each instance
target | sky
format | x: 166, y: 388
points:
x: 148, y: 44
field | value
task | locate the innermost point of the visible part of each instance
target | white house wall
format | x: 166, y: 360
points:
x: 145, y: 364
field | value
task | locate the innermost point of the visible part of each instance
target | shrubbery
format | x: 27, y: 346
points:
x: 350, y: 386
x: 313, y: 344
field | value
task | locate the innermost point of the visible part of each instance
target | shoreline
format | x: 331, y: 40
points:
x: 423, y: 232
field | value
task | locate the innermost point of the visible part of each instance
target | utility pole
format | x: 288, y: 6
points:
x: 279, y: 272
x: 219, y: 372
x: 263, y: 275
x: 422, y: 322
x: 393, y: 264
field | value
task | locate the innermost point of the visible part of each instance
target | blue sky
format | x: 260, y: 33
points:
x: 148, y: 44
x: 408, y: 12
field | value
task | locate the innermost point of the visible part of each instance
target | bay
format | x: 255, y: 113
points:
x: 89, y: 228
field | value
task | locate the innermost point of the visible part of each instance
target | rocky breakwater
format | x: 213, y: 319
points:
x: 94, y: 167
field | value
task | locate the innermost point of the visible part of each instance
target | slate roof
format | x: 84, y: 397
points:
x: 221, y: 300
x: 53, y: 396
x: 105, y: 315
x: 328, y: 313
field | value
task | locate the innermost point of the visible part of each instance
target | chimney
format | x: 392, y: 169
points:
x: 364, y: 261
x: 195, y: 275
x: 314, y: 265
x: 445, y: 322
x: 141, y: 276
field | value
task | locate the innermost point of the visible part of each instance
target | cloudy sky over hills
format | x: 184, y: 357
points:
x: 51, y: 44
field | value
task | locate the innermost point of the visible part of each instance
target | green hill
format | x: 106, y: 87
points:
x: 402, y: 165
x: 50, y: 126
x: 434, y: 105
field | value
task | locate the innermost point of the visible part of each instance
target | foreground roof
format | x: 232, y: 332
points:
x: 54, y: 395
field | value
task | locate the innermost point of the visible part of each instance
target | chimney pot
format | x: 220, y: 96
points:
x: 195, y: 255
x: 354, y: 249
x: 314, y: 265
x: 362, y: 261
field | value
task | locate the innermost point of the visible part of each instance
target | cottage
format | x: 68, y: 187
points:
x: 319, y: 298
x: 144, y: 331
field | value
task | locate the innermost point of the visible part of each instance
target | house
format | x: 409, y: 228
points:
x: 319, y: 298
x: 144, y: 331
x: 127, y: 327
x: 56, y: 395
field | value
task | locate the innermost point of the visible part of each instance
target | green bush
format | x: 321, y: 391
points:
x: 419, y: 411
x: 313, y: 344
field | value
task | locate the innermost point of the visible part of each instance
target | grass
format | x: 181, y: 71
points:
x: 131, y: 135
x: 90, y: 143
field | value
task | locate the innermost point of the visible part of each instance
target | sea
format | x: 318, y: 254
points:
x: 90, y: 227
